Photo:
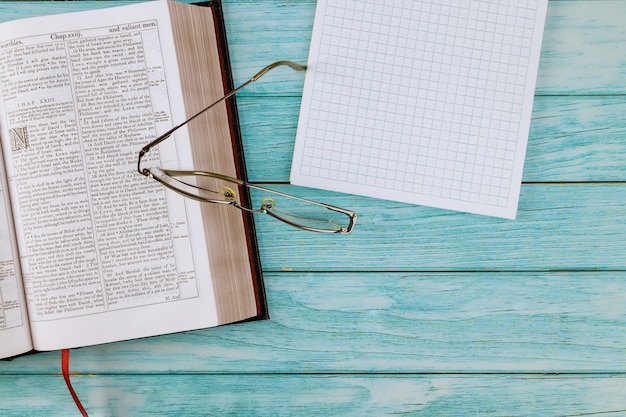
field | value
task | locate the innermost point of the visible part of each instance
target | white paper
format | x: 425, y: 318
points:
x: 424, y: 102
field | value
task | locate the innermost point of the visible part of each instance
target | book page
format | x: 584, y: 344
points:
x: 14, y: 328
x: 423, y: 102
x: 107, y: 254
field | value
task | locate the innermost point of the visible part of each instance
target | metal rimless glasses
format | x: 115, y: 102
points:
x: 295, y: 211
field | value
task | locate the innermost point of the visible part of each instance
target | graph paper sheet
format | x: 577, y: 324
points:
x: 425, y: 102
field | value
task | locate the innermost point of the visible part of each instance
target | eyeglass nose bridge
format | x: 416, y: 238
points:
x: 228, y: 193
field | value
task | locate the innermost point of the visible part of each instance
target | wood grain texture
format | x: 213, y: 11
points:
x: 420, y: 311
x: 322, y: 395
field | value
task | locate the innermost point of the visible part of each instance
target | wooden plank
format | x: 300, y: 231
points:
x: 580, y: 48
x: 322, y: 395
x: 558, y: 227
x: 393, y: 323
x: 572, y: 139
x: 576, y: 139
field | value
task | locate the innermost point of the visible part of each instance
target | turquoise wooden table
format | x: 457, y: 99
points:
x: 420, y: 311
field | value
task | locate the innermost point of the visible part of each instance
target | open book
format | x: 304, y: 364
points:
x: 92, y: 252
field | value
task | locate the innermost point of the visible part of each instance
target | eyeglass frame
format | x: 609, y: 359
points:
x: 147, y: 171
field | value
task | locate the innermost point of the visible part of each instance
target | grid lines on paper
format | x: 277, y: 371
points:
x: 421, y: 96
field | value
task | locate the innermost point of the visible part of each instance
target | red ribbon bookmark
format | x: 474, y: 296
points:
x: 65, y: 366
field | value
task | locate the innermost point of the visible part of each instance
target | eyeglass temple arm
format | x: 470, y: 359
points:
x: 256, y: 76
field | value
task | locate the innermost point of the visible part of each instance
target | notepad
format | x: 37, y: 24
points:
x: 424, y: 102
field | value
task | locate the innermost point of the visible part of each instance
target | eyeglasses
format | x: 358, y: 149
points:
x: 304, y: 214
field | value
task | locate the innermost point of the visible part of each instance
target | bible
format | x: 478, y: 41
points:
x: 92, y: 252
